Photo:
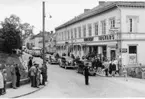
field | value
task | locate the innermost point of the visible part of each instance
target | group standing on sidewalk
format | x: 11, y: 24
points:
x: 38, y: 76
x: 15, y: 74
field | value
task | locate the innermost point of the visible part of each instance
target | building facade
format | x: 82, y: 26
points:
x: 112, y: 30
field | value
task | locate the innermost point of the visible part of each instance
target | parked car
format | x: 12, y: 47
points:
x: 62, y: 62
x: 53, y: 60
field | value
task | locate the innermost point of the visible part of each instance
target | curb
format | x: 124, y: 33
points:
x: 29, y: 92
x: 22, y: 82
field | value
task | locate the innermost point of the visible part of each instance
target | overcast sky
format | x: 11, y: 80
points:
x: 30, y: 11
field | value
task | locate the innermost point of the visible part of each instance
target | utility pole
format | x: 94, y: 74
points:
x: 44, y: 63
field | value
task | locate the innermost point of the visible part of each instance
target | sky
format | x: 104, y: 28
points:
x: 30, y: 11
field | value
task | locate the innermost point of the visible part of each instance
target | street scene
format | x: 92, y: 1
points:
x: 72, y: 49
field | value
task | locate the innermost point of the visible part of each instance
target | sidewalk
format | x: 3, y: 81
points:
x: 134, y: 83
x: 21, y: 91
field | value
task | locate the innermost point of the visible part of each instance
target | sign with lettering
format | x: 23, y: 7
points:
x: 124, y: 50
x: 106, y: 37
x: 89, y: 39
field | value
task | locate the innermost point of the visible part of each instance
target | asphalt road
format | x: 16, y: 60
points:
x: 68, y: 83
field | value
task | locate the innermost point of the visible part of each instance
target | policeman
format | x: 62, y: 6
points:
x: 86, y: 73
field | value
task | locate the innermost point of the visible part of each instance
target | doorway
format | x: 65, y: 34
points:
x: 113, y: 54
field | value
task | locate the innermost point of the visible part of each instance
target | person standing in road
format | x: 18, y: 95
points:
x: 86, y: 70
x: 17, y: 68
x: 14, y: 78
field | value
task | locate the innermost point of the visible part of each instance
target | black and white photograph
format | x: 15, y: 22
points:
x: 72, y: 49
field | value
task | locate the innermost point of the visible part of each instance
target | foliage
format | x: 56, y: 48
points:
x: 11, y: 32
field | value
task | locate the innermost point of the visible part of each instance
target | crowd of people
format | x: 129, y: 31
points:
x: 110, y: 68
x: 37, y: 74
x: 15, y: 75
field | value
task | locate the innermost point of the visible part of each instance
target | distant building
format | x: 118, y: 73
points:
x: 110, y: 30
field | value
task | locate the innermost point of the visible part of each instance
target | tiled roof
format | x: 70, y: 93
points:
x: 101, y: 8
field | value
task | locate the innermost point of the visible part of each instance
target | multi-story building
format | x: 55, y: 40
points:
x: 112, y: 30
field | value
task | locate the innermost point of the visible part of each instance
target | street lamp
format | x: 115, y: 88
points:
x: 44, y: 61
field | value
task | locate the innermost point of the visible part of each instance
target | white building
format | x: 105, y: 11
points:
x: 111, y: 30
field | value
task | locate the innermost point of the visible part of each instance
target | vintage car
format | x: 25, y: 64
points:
x: 82, y: 64
x: 62, y: 62
x: 53, y: 60
x: 66, y: 62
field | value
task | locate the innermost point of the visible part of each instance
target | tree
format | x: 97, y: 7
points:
x: 27, y: 30
x: 11, y: 33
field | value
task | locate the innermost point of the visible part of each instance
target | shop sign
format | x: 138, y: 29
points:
x: 88, y: 39
x: 124, y: 50
x: 106, y: 37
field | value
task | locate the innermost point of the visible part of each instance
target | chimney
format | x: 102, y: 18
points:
x: 86, y: 10
x: 101, y: 2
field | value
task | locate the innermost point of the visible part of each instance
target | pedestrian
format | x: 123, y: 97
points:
x: 106, y: 65
x: 32, y: 72
x: 124, y: 72
x: 44, y: 74
x: 113, y: 69
x: 1, y: 80
x: 14, y: 78
x: 17, y: 68
x: 86, y: 74
x: 30, y: 63
x: 38, y: 72
x: 5, y: 80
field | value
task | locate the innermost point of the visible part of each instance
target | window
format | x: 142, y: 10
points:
x: 84, y: 30
x: 75, y: 32
x: 62, y: 36
x: 103, y: 27
x: 90, y: 29
x: 96, y: 26
x: 71, y: 33
x: 68, y: 34
x: 112, y: 23
x: 132, y: 23
x: 79, y: 30
x: 132, y: 50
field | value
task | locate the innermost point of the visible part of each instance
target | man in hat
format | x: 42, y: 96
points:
x: 86, y: 74
x: 14, y: 78
x: 32, y: 72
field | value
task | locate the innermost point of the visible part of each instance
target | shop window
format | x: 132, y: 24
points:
x: 96, y: 26
x: 132, y: 49
x: 90, y: 29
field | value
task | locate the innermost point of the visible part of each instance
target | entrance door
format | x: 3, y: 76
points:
x: 113, y: 54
